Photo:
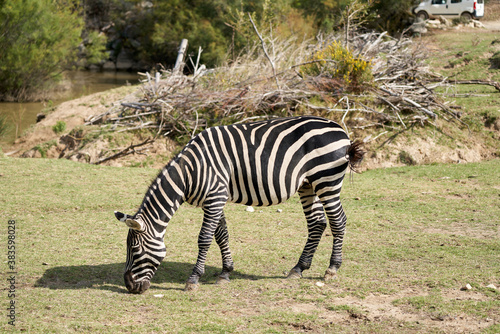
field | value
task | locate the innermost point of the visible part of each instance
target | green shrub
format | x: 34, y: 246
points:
x: 94, y: 51
x: 59, y: 127
x: 38, y: 39
x: 460, y: 20
x: 391, y: 15
x: 338, y: 62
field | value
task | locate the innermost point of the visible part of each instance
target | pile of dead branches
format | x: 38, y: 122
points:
x: 267, y: 81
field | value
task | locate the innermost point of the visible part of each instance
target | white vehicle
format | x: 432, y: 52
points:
x: 468, y: 9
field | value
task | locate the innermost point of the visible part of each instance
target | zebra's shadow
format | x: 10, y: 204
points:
x: 110, y: 276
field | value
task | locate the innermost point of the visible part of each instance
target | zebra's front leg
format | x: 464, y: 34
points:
x: 211, y: 220
x: 316, y: 224
x: 222, y: 239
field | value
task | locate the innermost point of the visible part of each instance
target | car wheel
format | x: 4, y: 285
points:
x: 467, y: 16
x: 423, y: 15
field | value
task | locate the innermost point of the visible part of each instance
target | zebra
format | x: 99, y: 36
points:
x: 256, y: 164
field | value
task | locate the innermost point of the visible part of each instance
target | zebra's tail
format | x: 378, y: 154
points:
x: 355, y: 154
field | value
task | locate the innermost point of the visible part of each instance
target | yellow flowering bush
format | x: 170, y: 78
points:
x: 338, y: 62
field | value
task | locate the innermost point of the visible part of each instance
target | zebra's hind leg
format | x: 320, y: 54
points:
x: 316, y: 224
x: 337, y: 220
x: 222, y: 239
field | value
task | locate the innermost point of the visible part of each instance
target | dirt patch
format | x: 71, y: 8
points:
x: 73, y: 113
x: 388, y: 309
x: 422, y: 150
x: 42, y: 141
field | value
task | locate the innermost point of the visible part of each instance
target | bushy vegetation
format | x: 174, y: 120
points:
x: 93, y: 49
x: 338, y: 62
x: 59, y: 127
x: 391, y: 15
x: 38, y: 38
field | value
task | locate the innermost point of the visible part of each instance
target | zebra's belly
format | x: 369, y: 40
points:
x: 260, y: 196
x: 257, y: 202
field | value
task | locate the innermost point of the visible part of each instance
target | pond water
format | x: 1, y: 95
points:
x: 20, y: 116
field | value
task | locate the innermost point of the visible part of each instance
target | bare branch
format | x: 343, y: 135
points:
x: 265, y: 51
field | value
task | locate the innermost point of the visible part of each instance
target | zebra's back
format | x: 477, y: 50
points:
x: 265, y: 163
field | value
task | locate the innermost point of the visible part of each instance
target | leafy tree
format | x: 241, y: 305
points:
x: 386, y: 15
x: 199, y: 21
x: 93, y: 49
x: 392, y: 15
x: 327, y: 13
x: 152, y: 33
x: 38, y: 39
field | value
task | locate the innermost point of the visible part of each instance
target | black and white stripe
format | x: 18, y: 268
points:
x: 259, y: 164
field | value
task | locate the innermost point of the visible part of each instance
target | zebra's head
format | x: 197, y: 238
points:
x: 145, y: 251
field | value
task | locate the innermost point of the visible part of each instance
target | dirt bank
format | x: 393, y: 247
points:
x: 386, y: 151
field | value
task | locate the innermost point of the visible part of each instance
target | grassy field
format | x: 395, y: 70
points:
x: 415, y: 237
x: 469, y: 55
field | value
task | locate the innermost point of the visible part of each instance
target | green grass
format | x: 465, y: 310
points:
x: 415, y: 236
x: 468, y: 56
x: 59, y: 127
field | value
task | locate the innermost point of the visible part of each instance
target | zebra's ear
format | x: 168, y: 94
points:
x: 129, y: 221
x: 134, y: 224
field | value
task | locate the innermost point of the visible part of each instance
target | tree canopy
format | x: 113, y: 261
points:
x: 37, y: 38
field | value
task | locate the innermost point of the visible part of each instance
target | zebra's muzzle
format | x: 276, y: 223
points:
x: 135, y: 287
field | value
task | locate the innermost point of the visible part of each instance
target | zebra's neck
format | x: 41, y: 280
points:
x: 164, y: 196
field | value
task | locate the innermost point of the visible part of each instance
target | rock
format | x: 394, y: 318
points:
x: 477, y: 24
x: 491, y: 286
x: 40, y: 117
x: 418, y: 27
x: 320, y: 284
x: 433, y: 24
x: 466, y: 287
x: 158, y: 296
x: 249, y: 209
x: 444, y: 21
x: 279, y: 211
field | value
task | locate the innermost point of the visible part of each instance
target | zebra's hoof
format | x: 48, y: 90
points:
x: 222, y: 280
x: 330, y: 274
x: 191, y: 286
x: 294, y: 274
